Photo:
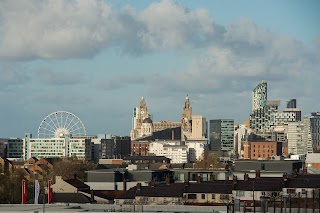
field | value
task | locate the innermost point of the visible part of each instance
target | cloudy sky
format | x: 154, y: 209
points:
x: 97, y: 58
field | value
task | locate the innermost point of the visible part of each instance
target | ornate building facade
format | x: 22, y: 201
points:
x: 192, y: 135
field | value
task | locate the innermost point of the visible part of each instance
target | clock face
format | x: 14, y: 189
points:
x: 142, y: 112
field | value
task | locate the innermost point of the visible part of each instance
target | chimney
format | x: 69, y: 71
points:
x: 186, y: 182
x: 212, y: 177
x: 151, y: 183
x: 198, y: 179
x: 92, y: 196
x: 235, y: 179
x: 294, y: 173
x: 257, y: 173
x: 285, y: 176
x: 167, y: 179
x: 138, y: 189
x: 246, y: 176
x: 124, y: 185
x: 305, y: 170
x: 172, y: 134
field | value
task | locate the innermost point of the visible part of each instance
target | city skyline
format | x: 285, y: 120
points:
x: 97, y: 58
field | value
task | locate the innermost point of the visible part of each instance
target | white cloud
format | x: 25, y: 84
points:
x: 75, y: 29
x: 54, y: 28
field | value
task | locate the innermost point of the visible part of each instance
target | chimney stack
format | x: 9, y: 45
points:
x: 138, y: 189
x: 305, y: 170
x: 235, y: 179
x: 186, y: 182
x: 246, y: 176
x: 212, y: 177
x: 198, y: 179
x: 285, y: 176
x: 172, y: 138
x: 151, y: 183
x: 257, y: 173
x: 294, y: 173
x: 92, y: 196
x: 167, y: 179
x: 124, y: 185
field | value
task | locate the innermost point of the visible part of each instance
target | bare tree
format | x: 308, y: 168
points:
x: 209, y: 161
x: 68, y: 167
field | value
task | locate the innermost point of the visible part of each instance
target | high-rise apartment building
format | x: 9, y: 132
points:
x: 312, y: 132
x: 292, y: 103
x: 259, y: 96
x: 296, y: 144
x: 222, y: 135
x: 264, y: 115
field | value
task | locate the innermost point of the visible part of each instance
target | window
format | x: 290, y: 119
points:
x: 239, y: 193
x: 213, y: 196
x: 224, y: 197
x: 291, y: 191
x: 192, y: 196
x: 203, y: 196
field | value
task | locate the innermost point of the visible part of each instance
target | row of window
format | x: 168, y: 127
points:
x: 213, y: 196
x: 263, y: 146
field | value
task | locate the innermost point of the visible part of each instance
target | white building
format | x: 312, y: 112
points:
x: 241, y: 131
x: 296, y: 144
x: 196, y: 149
x: 283, y: 118
x: 79, y: 147
x: 170, y: 149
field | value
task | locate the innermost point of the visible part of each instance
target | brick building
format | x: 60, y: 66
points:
x: 262, y: 150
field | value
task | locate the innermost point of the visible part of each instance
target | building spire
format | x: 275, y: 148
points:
x: 187, y: 103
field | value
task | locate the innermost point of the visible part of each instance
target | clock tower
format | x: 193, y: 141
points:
x: 186, y: 115
x: 143, y: 112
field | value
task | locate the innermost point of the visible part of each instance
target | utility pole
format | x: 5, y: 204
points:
x: 306, y: 202
x: 254, y: 202
x: 43, y: 201
x: 298, y: 202
x: 289, y: 203
x: 312, y: 200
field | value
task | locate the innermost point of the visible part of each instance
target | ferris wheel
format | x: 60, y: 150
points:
x: 61, y: 123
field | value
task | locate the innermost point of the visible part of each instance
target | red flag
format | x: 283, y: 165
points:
x: 24, y: 192
x: 49, y: 192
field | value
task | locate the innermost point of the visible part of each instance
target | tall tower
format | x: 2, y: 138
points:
x: 139, y: 115
x: 143, y: 111
x: 259, y: 96
x: 186, y: 116
x: 312, y: 132
x: 292, y: 103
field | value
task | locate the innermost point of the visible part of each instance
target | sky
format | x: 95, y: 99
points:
x: 97, y: 59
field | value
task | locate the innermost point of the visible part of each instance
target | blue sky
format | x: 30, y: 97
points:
x: 97, y: 58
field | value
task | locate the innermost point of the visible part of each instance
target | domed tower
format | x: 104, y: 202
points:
x: 147, y: 126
